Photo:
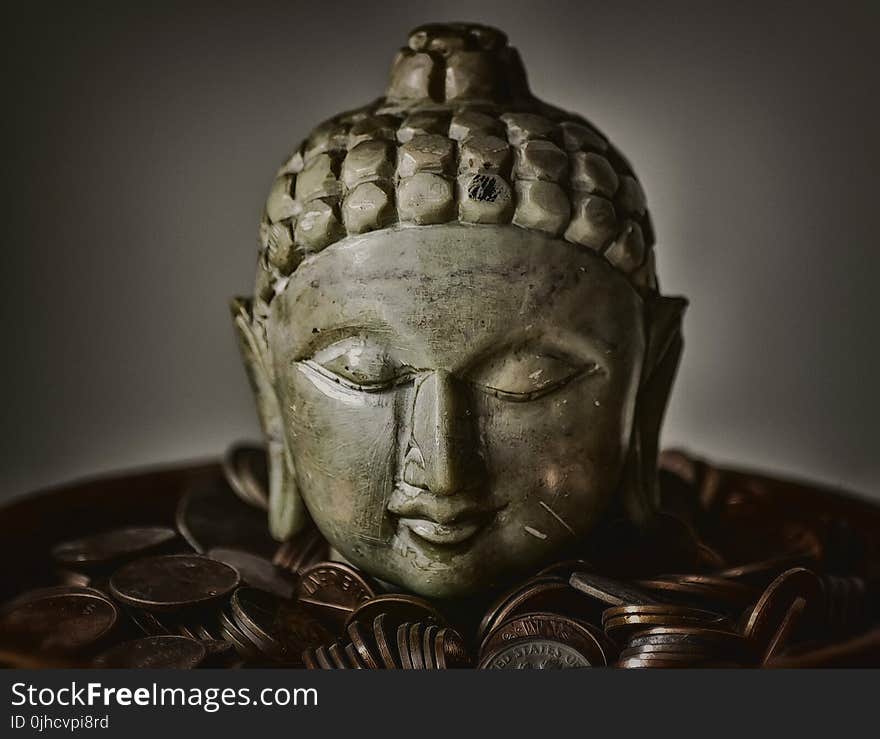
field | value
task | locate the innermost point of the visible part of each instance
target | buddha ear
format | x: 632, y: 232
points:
x: 287, y: 513
x: 641, y: 495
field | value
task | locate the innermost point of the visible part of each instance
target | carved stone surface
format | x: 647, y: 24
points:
x: 458, y: 349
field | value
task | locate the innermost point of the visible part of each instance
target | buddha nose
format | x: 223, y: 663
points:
x: 443, y: 452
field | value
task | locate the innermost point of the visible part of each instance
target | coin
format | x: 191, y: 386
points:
x: 664, y: 610
x: 360, y: 642
x: 428, y: 637
x: 702, y: 589
x: 354, y: 659
x: 112, y: 546
x: 490, y: 617
x: 305, y: 549
x: 403, y: 646
x: 63, y: 620
x: 449, y: 651
x: 156, y: 652
x: 622, y: 622
x: 255, y: 571
x: 764, y: 571
x: 534, y: 654
x: 231, y: 632
x: 718, y: 640
x: 773, y: 605
x: 247, y: 472
x: 610, y: 591
x: 308, y: 659
x: 172, y: 581
x: 784, y: 632
x: 398, y: 607
x: 553, y: 596
x: 211, y: 516
x: 280, y: 629
x: 334, y: 588
x: 551, y: 627
x: 323, y: 659
x: 381, y: 634
x: 415, y: 646
x: 337, y: 656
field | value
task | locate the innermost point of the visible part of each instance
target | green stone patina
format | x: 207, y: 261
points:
x: 459, y: 351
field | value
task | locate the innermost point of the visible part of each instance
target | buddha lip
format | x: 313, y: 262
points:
x: 440, y: 533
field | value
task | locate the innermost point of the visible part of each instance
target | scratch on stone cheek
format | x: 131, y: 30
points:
x: 534, y: 532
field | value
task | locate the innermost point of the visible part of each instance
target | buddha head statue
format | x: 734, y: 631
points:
x: 459, y: 351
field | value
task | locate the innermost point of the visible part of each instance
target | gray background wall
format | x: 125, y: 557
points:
x: 140, y: 144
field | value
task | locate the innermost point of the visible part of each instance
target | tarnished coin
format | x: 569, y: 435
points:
x: 383, y: 629
x: 255, y: 571
x: 491, y: 618
x: 362, y: 645
x: 211, y: 516
x: 354, y: 659
x: 247, y: 472
x: 550, y: 627
x: 761, y: 573
x: 429, y: 635
x: 112, y: 546
x: 704, y: 589
x: 336, y: 652
x: 335, y: 589
x: 309, y: 661
x: 172, y: 581
x: 403, y: 646
x: 668, y: 610
x: 281, y: 629
x: 155, y: 652
x: 622, y: 622
x: 610, y: 591
x: 551, y: 596
x: 231, y: 632
x: 718, y: 641
x: 785, y: 631
x: 449, y: 652
x: 57, y: 620
x: 323, y: 659
x: 398, y: 607
x: 415, y: 646
x: 305, y: 549
x: 773, y: 605
x: 534, y: 654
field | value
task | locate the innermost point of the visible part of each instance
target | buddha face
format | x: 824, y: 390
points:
x: 457, y: 401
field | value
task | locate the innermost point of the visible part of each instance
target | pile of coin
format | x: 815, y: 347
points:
x: 216, y: 590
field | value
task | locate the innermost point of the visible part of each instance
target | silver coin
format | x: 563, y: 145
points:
x: 535, y: 654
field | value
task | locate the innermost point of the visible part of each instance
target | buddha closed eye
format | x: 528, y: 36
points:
x: 517, y: 373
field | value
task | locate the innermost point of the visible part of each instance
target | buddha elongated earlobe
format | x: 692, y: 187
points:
x: 287, y: 513
x: 664, y: 346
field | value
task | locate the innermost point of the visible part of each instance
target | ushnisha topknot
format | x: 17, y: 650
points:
x: 457, y: 137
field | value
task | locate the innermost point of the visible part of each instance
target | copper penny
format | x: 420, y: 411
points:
x: 155, y: 652
x: 334, y: 588
x: 359, y: 639
x: 172, y: 581
x: 772, y: 607
x: 551, y: 627
x: 112, y: 546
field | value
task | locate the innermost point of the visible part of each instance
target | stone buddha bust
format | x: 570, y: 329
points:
x: 457, y: 343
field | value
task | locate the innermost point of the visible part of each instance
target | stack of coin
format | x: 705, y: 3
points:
x: 544, y: 640
x: 219, y: 591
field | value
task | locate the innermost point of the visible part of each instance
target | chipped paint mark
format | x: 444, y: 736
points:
x: 534, y: 532
x: 556, y: 516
